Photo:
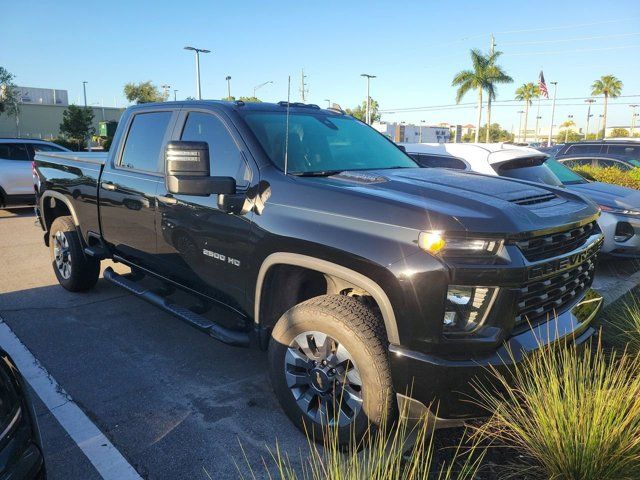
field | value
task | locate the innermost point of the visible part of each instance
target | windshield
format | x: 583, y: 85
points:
x: 321, y: 143
x: 565, y: 174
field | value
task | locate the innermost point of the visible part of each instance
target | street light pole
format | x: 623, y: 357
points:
x: 228, y: 79
x: 328, y: 102
x: 368, y: 114
x: 198, y: 52
x: 521, y: 112
x: 566, y: 132
x: 175, y: 95
x: 633, y: 119
x: 421, y: 122
x: 589, y: 101
x: 84, y: 91
x: 165, y: 91
x: 260, y: 86
x: 553, y: 112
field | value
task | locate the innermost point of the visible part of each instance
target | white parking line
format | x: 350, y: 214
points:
x: 106, y: 459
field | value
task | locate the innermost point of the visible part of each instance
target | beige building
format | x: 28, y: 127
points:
x: 43, y: 121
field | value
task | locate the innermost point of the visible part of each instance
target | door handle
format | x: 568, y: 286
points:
x: 108, y: 186
x: 169, y: 200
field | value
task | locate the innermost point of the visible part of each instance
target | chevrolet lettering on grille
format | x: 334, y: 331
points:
x: 565, y: 263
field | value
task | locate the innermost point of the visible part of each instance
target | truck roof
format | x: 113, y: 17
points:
x: 239, y: 105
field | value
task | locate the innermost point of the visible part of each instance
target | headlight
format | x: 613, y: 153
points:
x: 619, y: 211
x: 466, y: 308
x: 436, y: 242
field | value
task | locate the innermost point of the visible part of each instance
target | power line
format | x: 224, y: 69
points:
x: 575, y: 39
x: 565, y: 27
x: 576, y: 50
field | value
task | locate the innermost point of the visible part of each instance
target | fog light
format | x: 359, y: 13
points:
x: 466, y: 308
x: 624, y: 231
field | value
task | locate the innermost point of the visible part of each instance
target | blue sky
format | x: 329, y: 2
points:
x: 414, y: 47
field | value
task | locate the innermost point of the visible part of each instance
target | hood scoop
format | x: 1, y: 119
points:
x: 365, y: 178
x: 528, y: 197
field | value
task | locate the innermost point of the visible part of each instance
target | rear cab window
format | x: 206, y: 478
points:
x: 14, y: 151
x: 145, y: 138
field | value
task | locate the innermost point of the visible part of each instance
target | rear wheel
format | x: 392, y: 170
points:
x: 329, y: 367
x: 75, y: 270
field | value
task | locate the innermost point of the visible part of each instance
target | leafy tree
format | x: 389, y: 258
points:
x: 495, y: 134
x: 229, y: 99
x: 77, y: 124
x: 610, y: 87
x: 526, y: 93
x: 360, y: 112
x: 250, y: 99
x: 619, y: 132
x: 483, y: 77
x: 144, y: 92
x: 9, y: 101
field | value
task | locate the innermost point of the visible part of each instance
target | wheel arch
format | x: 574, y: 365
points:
x: 53, y: 205
x: 333, y: 270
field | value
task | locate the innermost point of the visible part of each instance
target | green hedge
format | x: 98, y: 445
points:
x: 612, y: 175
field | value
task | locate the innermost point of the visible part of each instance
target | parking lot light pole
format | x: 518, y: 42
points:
x: 633, y: 119
x: 590, y: 101
x: 175, y: 94
x: 521, y: 112
x: 84, y: 91
x: 553, y: 112
x: 566, y: 132
x: 228, y: 79
x: 368, y: 114
x: 198, y: 52
x: 328, y: 102
x: 257, y: 87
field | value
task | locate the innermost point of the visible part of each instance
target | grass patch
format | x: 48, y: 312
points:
x: 572, y: 414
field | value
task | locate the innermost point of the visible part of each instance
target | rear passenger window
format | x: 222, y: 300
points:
x: 13, y: 151
x: 585, y: 148
x: 144, y: 141
x: 626, y: 150
x: 225, y: 157
x: 438, y: 161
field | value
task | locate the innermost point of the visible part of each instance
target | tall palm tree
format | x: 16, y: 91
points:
x: 527, y: 92
x: 482, y: 77
x: 496, y: 75
x: 610, y: 87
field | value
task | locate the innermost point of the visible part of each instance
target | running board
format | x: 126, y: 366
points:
x: 98, y: 251
x: 225, y: 335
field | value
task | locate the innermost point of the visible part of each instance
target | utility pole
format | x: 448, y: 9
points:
x: 633, y: 119
x: 165, y: 92
x: 228, y: 79
x: 368, y: 114
x: 521, y: 112
x: 553, y: 112
x: 198, y: 51
x: 492, y: 49
x: 303, y: 87
x: 590, y: 101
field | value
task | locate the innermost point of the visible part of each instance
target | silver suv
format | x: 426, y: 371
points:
x: 16, y: 180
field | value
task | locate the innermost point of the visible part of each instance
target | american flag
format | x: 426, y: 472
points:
x: 542, y: 87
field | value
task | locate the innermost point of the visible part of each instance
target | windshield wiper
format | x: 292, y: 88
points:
x: 320, y: 173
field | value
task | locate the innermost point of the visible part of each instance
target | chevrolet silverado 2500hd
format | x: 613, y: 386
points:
x: 370, y: 281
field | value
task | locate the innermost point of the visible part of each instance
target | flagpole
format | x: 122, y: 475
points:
x: 553, y: 111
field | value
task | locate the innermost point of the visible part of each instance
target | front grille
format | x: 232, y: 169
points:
x: 541, y: 300
x: 548, y: 246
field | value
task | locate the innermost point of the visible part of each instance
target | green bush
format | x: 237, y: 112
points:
x: 572, y: 414
x: 612, y: 175
x: 70, y: 144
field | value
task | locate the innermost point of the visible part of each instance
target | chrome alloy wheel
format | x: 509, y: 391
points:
x: 323, y: 379
x: 62, y: 255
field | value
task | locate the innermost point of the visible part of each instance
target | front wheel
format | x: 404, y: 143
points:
x: 329, y: 368
x: 75, y: 270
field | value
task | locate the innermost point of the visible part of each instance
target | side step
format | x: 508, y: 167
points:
x: 225, y: 335
x: 98, y: 251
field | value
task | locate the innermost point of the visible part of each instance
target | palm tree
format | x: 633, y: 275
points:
x: 610, y: 87
x: 567, y: 128
x: 527, y: 92
x: 484, y: 75
x: 496, y: 75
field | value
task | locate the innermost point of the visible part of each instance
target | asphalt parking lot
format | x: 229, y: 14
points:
x: 173, y: 402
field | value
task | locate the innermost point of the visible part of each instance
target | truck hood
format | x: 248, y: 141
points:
x: 447, y: 199
x: 609, y: 195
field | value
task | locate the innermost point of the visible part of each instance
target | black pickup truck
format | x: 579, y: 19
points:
x: 372, y: 283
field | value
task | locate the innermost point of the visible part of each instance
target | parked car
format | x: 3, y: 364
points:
x: 16, y: 178
x: 620, y: 219
x: 370, y: 281
x: 601, y: 160
x: 21, y: 455
x: 629, y: 149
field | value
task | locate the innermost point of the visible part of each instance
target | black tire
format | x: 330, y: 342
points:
x: 81, y: 272
x: 355, y: 327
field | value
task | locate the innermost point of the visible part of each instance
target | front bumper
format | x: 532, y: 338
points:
x: 629, y: 248
x: 444, y: 384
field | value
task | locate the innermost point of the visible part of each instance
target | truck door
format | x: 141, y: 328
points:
x: 128, y: 187
x: 200, y: 245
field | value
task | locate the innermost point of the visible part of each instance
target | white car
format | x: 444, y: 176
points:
x: 16, y: 179
x: 620, y: 219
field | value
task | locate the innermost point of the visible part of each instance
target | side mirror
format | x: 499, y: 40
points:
x: 187, y: 171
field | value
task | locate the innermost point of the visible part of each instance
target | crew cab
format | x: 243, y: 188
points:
x: 372, y: 283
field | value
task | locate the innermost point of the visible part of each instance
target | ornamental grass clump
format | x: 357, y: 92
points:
x: 572, y: 414
x: 621, y: 326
